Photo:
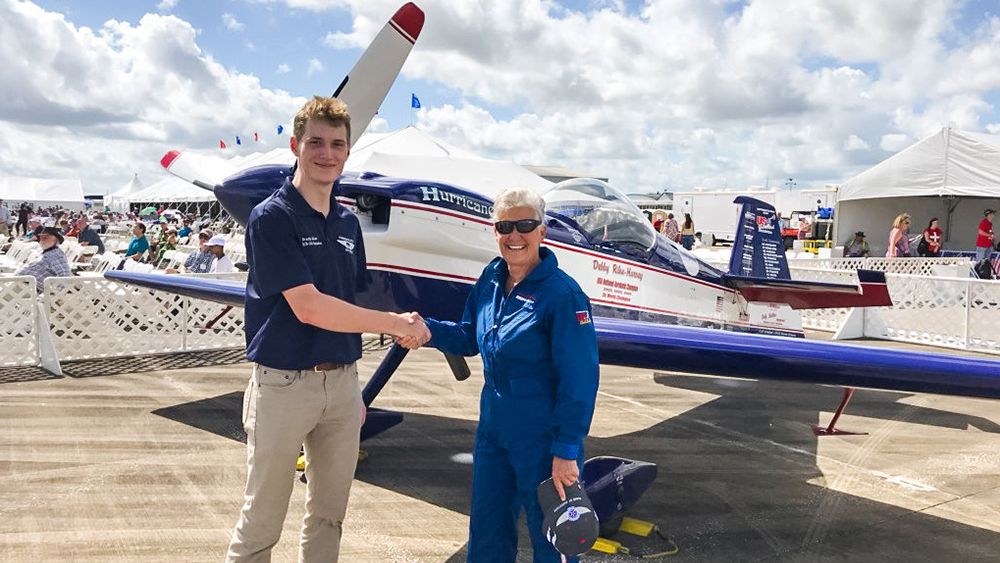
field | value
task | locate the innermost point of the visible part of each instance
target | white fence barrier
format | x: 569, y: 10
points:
x: 962, y: 313
x: 18, y: 322
x: 914, y: 266
x: 100, y: 318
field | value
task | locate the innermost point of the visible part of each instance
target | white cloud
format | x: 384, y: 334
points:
x: 98, y: 105
x: 895, y: 142
x: 232, y: 23
x: 314, y: 66
x: 166, y: 5
x: 855, y: 143
x: 283, y: 69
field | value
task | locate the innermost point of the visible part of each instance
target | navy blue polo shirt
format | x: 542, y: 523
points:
x: 290, y: 244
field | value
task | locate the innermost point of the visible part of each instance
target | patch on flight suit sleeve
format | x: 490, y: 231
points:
x: 583, y: 317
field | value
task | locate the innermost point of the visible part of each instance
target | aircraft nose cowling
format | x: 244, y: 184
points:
x: 242, y: 191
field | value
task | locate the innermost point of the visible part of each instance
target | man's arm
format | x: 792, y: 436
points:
x: 329, y: 313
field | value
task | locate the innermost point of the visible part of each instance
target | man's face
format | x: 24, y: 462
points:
x: 989, y: 217
x: 322, y: 151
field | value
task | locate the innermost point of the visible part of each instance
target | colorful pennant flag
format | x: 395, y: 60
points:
x: 238, y: 140
x: 222, y: 144
x: 414, y: 101
x: 280, y: 129
x: 255, y: 138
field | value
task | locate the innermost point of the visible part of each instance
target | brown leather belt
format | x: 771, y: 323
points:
x: 328, y: 366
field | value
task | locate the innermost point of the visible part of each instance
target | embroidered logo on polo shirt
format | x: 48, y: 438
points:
x: 583, y: 317
x: 347, y: 243
x: 311, y: 241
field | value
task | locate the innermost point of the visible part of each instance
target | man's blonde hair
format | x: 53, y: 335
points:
x: 329, y: 110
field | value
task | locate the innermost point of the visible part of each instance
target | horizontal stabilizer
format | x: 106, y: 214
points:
x: 734, y: 354
x: 227, y: 292
x: 800, y: 294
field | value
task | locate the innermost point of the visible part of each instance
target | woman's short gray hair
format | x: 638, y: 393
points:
x: 518, y: 197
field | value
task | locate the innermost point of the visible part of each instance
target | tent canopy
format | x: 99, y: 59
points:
x: 42, y: 192
x: 948, y: 163
x: 951, y: 176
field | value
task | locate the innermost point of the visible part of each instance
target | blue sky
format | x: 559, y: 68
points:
x: 657, y: 95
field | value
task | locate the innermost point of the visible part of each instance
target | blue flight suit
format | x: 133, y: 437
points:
x: 539, y: 351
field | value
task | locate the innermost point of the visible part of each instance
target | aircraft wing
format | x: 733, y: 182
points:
x: 363, y: 90
x: 800, y: 294
x: 687, y: 349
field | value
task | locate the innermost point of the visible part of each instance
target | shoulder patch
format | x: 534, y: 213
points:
x: 583, y: 317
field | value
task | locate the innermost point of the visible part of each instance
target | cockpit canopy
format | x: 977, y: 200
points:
x: 606, y: 216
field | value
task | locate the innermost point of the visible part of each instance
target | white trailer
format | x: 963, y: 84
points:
x: 715, y: 215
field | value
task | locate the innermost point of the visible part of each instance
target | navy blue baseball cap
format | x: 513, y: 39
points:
x: 571, y: 525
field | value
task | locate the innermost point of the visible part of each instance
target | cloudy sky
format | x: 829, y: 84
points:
x: 657, y: 95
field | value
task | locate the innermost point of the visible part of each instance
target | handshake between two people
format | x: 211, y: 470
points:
x: 412, y: 332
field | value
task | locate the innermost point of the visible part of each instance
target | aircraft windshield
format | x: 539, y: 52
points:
x: 606, y: 215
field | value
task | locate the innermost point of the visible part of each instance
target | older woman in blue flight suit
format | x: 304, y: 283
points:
x: 532, y: 325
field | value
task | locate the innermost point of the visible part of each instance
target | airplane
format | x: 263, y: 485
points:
x: 656, y: 305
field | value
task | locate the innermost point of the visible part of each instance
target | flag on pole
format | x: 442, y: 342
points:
x: 280, y: 129
x: 414, y: 101
x: 222, y: 144
x: 238, y: 140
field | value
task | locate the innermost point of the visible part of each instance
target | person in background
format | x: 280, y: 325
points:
x: 899, y: 244
x: 984, y: 236
x: 185, y: 230
x: 930, y: 244
x: 53, y: 262
x: 670, y: 229
x: 220, y: 262
x: 697, y: 241
x: 804, y: 227
x: 138, y: 246
x: 87, y: 236
x: 4, y: 220
x: 34, y: 229
x: 22, y: 219
x: 687, y: 232
x: 169, y: 244
x: 200, y: 261
x: 857, y: 247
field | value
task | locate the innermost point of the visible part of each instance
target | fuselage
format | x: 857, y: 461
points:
x: 427, y: 243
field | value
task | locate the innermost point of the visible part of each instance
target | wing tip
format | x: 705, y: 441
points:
x: 409, y: 20
x: 169, y: 158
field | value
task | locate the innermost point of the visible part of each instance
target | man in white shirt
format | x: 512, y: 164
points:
x: 221, y: 263
x: 4, y: 220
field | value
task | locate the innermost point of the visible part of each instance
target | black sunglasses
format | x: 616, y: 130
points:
x: 523, y: 226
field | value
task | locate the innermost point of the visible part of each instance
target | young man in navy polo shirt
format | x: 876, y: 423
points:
x: 307, y: 261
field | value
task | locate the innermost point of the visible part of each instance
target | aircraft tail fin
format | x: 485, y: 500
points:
x: 758, y: 269
x: 758, y: 251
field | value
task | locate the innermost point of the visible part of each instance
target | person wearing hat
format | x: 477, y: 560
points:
x: 532, y: 325
x: 53, y: 261
x: 984, y: 238
x: 857, y: 247
x: 34, y: 228
x: 220, y: 262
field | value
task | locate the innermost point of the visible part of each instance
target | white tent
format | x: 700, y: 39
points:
x: 42, y: 192
x: 172, y: 190
x: 951, y: 175
x: 411, y: 153
x: 118, y: 199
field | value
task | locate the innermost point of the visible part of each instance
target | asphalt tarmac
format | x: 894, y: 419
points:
x: 143, y: 461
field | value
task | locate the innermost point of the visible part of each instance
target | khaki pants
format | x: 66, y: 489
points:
x: 281, y: 410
